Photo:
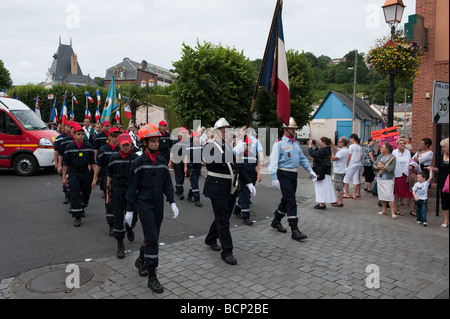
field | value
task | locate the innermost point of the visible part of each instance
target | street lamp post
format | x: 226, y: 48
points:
x: 393, y: 12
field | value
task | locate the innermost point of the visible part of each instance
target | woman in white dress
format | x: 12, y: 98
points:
x: 385, y: 172
x: 324, y: 188
x: 353, y: 167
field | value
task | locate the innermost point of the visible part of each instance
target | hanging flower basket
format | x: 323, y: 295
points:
x: 399, y: 56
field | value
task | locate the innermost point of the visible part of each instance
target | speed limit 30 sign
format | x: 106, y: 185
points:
x: 440, y: 102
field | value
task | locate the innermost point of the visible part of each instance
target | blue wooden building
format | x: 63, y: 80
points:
x: 333, y: 118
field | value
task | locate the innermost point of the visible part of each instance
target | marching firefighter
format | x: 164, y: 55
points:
x: 250, y: 163
x: 220, y: 161
x: 118, y: 175
x: 77, y: 161
x: 285, y: 159
x: 100, y: 169
x: 193, y: 167
x: 149, y: 181
x: 58, y: 159
x: 177, y: 157
x: 165, y: 141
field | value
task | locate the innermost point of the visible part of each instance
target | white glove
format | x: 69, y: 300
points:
x: 276, y: 184
x: 313, y: 176
x: 175, y: 210
x: 252, y: 189
x: 129, y: 218
x: 240, y: 148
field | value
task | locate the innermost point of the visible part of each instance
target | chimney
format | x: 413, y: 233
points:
x: 144, y: 64
x: 74, y: 64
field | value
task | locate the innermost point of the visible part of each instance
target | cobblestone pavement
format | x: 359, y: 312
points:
x: 412, y: 260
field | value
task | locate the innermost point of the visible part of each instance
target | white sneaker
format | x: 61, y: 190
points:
x: 419, y: 222
x: 425, y: 224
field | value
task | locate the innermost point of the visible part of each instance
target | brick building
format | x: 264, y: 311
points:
x: 435, y: 67
x: 144, y: 74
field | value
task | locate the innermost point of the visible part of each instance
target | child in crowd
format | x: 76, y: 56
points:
x: 420, y: 192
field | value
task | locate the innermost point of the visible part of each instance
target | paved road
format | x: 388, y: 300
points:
x: 413, y: 260
x: 36, y: 229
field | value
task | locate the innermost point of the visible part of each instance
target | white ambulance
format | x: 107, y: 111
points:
x: 26, y: 144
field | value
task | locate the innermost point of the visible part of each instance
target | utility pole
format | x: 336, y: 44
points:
x: 355, y: 80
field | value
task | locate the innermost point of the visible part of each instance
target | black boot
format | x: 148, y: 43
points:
x: 276, y: 223
x: 297, y: 234
x: 77, y: 222
x: 139, y: 263
x: 153, y: 282
x: 198, y: 203
x: 130, y: 233
x: 111, y: 230
x: 120, y: 249
x: 66, y: 200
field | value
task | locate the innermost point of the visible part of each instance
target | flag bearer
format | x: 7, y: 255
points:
x: 77, y: 161
x: 250, y: 163
x: 193, y: 167
x: 220, y: 161
x: 149, y: 181
x: 100, y: 169
x: 284, y: 162
x: 118, y: 180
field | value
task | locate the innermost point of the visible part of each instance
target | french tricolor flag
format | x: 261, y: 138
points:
x: 74, y: 99
x: 275, y: 77
x: 64, y: 117
x: 91, y: 100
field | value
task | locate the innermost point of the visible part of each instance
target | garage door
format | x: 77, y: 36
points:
x: 344, y: 128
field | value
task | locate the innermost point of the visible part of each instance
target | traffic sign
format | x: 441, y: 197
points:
x: 387, y: 132
x: 440, y: 102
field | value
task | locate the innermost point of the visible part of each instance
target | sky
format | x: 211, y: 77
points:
x: 104, y: 32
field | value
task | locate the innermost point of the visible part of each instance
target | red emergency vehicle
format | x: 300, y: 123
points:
x: 26, y: 144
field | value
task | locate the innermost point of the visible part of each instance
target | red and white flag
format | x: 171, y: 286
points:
x: 127, y: 112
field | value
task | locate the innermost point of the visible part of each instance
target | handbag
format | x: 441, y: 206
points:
x: 445, y: 188
x: 320, y: 171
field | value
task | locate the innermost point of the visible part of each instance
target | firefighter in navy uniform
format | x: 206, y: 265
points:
x: 100, y: 169
x: 218, y: 187
x: 101, y: 139
x: 192, y: 168
x: 285, y: 159
x: 165, y: 143
x: 149, y: 181
x: 250, y: 162
x: 177, y: 157
x: 58, y: 159
x: 77, y: 161
x: 118, y: 176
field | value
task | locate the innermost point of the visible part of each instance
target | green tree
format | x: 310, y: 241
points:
x: 5, y: 78
x: 214, y: 82
x: 301, y: 82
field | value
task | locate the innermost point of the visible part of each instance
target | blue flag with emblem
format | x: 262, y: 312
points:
x: 111, y: 103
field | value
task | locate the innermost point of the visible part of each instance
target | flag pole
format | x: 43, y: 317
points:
x: 255, y: 93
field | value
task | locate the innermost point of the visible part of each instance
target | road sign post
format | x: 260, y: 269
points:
x: 440, y: 116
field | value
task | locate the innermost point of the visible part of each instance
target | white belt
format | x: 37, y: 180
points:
x: 224, y: 176
x: 293, y: 170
